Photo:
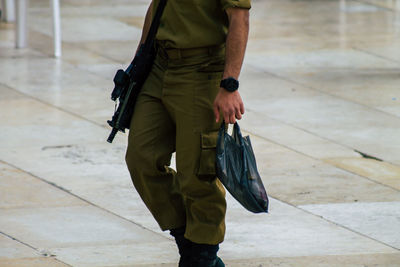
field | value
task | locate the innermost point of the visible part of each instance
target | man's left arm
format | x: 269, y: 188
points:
x: 230, y: 104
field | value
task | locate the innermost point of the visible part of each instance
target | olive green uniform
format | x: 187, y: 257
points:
x: 174, y: 112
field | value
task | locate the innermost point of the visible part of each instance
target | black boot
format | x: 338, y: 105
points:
x: 184, y: 246
x: 206, y: 256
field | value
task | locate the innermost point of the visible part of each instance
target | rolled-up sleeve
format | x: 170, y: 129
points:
x: 236, y: 3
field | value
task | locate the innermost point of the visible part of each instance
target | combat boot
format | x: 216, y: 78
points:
x: 184, y: 246
x: 205, y: 256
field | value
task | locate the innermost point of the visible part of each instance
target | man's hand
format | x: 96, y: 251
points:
x: 230, y: 104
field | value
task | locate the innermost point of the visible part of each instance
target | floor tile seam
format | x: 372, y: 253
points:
x: 295, y: 127
x: 113, y: 60
x: 65, y: 61
x: 306, y: 86
x: 68, y: 145
x: 375, y: 5
x: 308, y: 132
x: 40, y: 53
x: 40, y: 254
x: 62, y: 262
x: 352, y: 203
x: 365, y: 177
x: 19, y: 241
x: 32, y: 259
x: 321, y: 160
x: 108, y: 244
x: 83, y: 199
x: 53, y: 106
x: 78, y: 67
x: 5, y: 208
x: 74, y: 45
x: 70, y: 4
x: 336, y: 224
x: 23, y: 56
x: 53, y: 247
x: 365, y: 51
x: 46, y: 10
x: 314, y: 255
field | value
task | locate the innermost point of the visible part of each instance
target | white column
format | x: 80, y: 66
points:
x: 21, y: 12
x: 55, y: 4
x: 8, y: 10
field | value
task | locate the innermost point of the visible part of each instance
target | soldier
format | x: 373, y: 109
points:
x: 191, y: 89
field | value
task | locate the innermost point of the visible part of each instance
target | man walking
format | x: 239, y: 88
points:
x: 191, y: 89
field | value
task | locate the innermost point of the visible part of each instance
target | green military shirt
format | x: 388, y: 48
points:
x: 195, y: 23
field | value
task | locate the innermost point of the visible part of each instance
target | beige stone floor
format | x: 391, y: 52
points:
x: 321, y: 85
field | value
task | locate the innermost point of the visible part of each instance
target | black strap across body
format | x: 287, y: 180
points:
x: 128, y: 83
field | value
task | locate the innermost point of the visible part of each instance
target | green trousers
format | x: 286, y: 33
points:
x: 174, y: 113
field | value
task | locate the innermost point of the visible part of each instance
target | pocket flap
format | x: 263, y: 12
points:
x: 209, y: 140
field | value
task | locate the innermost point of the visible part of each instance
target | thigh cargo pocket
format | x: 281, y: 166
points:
x: 207, y: 156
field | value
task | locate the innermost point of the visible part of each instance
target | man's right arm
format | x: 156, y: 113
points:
x: 146, y: 25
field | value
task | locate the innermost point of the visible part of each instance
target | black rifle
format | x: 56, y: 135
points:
x: 128, y: 83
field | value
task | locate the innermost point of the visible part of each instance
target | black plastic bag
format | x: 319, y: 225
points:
x: 237, y: 170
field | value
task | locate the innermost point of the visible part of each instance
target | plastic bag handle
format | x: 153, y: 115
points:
x: 223, y: 131
x: 237, y: 133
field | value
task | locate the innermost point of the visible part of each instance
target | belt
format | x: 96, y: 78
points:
x: 178, y: 53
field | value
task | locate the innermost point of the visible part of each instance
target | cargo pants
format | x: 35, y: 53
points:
x: 174, y: 112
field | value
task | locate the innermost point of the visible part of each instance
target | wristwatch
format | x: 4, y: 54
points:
x: 230, y: 84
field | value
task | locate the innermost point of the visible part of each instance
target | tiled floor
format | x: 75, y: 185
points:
x: 321, y: 85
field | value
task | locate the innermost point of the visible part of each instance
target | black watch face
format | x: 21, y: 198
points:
x: 230, y: 84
